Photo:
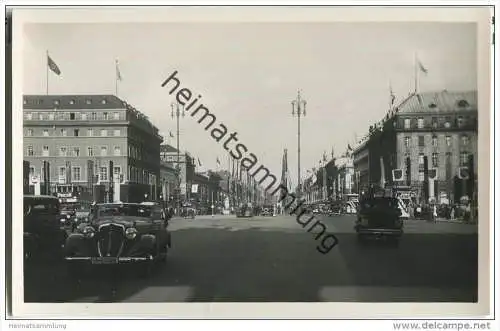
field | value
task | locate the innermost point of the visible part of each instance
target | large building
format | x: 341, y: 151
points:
x: 345, y: 176
x: 168, y: 182
x: 438, y: 126
x: 81, y: 136
x: 186, y: 166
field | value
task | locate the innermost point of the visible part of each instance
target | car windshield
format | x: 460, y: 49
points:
x: 380, y: 202
x: 125, y: 210
x: 41, y: 206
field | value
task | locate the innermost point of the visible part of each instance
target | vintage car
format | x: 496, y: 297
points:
x: 188, y: 210
x: 43, y: 235
x: 245, y: 210
x: 379, y: 218
x: 119, y: 233
x: 267, y: 210
x: 68, y: 214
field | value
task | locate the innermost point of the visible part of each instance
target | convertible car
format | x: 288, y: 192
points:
x: 119, y: 233
x: 379, y: 218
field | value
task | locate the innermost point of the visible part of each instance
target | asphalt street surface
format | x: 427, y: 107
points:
x: 274, y: 259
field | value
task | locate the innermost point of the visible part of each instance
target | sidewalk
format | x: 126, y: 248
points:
x: 201, y: 217
x: 445, y: 220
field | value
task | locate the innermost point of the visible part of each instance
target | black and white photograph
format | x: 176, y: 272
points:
x: 252, y: 155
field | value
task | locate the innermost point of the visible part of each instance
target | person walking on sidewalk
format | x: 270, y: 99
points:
x: 452, y: 213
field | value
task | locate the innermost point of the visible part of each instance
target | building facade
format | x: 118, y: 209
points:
x: 345, y: 176
x: 438, y: 126
x: 186, y: 166
x: 81, y: 136
x: 168, y: 182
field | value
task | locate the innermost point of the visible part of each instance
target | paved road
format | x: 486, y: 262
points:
x: 274, y: 259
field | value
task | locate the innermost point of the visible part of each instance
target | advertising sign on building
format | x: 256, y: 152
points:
x: 194, y: 188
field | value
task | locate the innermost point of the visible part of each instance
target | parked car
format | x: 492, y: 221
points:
x: 43, y: 236
x: 379, y: 218
x: 119, y: 233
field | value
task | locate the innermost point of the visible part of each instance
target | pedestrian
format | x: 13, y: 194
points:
x: 452, y: 213
x: 434, y: 213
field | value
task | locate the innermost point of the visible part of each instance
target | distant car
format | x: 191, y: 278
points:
x: 246, y: 210
x: 267, y: 210
x: 379, y: 218
x: 43, y: 235
x: 119, y: 233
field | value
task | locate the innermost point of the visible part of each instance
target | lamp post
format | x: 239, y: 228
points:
x: 299, y: 109
x: 177, y: 113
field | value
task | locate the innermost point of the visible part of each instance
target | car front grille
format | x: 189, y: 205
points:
x: 110, y: 239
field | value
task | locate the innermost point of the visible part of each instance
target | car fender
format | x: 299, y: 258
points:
x: 75, y: 242
x: 148, y: 239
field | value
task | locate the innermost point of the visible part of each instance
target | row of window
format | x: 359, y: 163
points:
x: 464, y: 159
x: 76, y: 173
x: 436, y: 122
x: 76, y: 132
x: 448, y: 140
x: 71, y: 116
x: 74, y: 151
x: 71, y: 102
x: 135, y: 174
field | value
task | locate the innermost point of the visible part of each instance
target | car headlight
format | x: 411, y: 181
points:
x: 88, y: 232
x: 130, y: 233
x: 68, y: 216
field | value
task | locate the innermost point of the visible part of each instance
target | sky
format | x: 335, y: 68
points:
x: 249, y: 73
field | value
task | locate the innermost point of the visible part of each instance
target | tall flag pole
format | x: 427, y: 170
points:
x: 47, y: 73
x: 53, y: 67
x: 392, y: 97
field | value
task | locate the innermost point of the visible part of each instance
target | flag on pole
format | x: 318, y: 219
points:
x: 171, y: 135
x: 324, y: 156
x: 118, y: 73
x: 218, y: 161
x: 199, y: 162
x: 421, y: 67
x: 333, y: 153
x: 53, y: 66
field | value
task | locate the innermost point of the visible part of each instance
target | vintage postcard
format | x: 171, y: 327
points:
x: 251, y: 162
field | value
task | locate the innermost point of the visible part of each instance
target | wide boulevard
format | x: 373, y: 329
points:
x: 273, y: 259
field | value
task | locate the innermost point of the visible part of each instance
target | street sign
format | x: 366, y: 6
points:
x: 34, y: 179
x: 397, y: 175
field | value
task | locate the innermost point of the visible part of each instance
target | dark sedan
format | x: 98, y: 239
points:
x: 119, y: 233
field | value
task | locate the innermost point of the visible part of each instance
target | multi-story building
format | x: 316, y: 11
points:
x: 345, y: 176
x: 186, y: 168
x: 78, y: 136
x: 361, y: 165
x: 168, y: 181
x: 322, y: 184
x: 439, y: 126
